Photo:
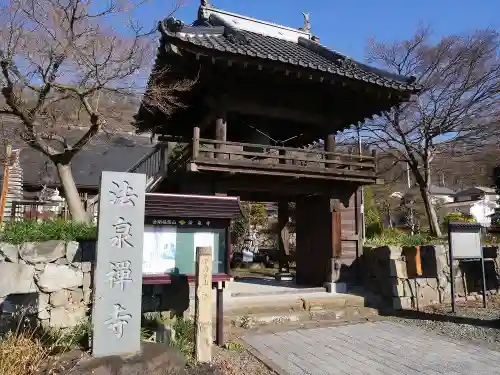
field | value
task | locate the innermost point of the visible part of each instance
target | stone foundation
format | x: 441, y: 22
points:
x: 52, y: 282
x: 391, y: 273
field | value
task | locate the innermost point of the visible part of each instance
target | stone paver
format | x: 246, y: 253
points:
x: 372, y: 348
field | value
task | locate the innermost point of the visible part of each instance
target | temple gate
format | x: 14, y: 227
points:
x: 262, y: 94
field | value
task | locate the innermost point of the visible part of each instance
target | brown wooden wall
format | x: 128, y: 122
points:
x: 351, y: 232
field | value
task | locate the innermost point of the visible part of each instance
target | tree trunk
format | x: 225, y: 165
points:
x: 431, y: 213
x: 75, y: 204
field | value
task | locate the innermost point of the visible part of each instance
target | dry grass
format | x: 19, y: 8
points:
x: 22, y: 353
x: 30, y: 348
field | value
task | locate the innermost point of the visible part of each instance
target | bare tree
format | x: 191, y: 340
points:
x: 58, y: 60
x: 460, y: 79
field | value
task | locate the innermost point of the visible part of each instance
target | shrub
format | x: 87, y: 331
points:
x: 16, y: 232
x: 397, y: 237
x: 458, y: 216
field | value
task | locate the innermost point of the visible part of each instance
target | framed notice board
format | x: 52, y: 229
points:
x: 171, y: 239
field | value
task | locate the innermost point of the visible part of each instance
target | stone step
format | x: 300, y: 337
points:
x: 253, y: 318
x: 278, y: 292
x: 287, y: 303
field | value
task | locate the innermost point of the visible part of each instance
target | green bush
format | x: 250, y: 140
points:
x: 395, y: 237
x: 373, y: 222
x: 33, y: 231
x: 458, y: 216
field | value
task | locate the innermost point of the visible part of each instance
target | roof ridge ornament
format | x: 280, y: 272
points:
x: 205, y: 3
x: 307, y: 23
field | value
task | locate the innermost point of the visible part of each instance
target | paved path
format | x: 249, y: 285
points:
x: 372, y: 348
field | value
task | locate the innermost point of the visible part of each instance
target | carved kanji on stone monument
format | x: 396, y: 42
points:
x: 116, y: 315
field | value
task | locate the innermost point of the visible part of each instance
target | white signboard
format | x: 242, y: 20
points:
x: 159, y: 249
x: 466, y: 245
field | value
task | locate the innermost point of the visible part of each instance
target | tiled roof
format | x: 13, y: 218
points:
x: 117, y: 152
x: 218, y: 35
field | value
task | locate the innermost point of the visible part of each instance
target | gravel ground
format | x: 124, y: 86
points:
x: 471, y: 322
x: 239, y: 362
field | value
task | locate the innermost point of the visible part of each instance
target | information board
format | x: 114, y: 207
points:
x: 172, y: 250
x: 466, y: 245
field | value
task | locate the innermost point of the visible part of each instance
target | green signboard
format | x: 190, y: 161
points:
x: 170, y: 245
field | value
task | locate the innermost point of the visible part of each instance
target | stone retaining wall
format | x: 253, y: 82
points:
x: 391, y: 273
x: 51, y: 280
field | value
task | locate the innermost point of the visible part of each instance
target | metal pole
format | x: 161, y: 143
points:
x: 483, y: 230
x: 452, y: 272
x: 219, y: 329
x: 484, y: 282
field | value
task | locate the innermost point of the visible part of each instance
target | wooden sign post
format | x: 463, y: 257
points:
x: 203, y: 305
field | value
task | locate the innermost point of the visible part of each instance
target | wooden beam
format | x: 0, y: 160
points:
x: 283, y: 113
x: 220, y: 134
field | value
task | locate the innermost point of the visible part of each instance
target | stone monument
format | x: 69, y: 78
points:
x: 203, y: 305
x: 116, y: 315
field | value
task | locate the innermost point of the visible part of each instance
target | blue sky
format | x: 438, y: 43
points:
x: 346, y: 25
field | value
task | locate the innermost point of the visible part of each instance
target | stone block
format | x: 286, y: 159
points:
x: 395, y: 252
x: 42, y: 252
x: 56, y: 277
x: 87, y: 281
x: 82, y: 266
x: 72, y: 248
x: 43, y: 302
x: 152, y: 359
x: 10, y: 252
x: 66, y: 297
x: 398, y: 269
x: 65, y: 317
x: 87, y: 297
x: 16, y: 279
x: 400, y: 288
x: 402, y: 303
x: 61, y: 261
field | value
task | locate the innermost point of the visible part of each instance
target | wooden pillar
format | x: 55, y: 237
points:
x: 203, y: 305
x: 220, y: 134
x: 283, y: 236
x: 330, y: 147
x: 336, y: 238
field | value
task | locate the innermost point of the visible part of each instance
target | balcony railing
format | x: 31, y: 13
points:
x: 236, y: 157
x: 153, y: 165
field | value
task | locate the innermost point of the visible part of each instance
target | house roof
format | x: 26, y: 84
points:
x: 117, y: 152
x: 476, y: 190
x: 224, y: 32
x: 433, y: 190
x: 469, y: 203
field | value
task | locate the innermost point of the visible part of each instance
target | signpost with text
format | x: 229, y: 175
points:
x: 116, y: 315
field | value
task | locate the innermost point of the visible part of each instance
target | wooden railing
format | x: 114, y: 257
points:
x: 153, y: 165
x: 213, y: 155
